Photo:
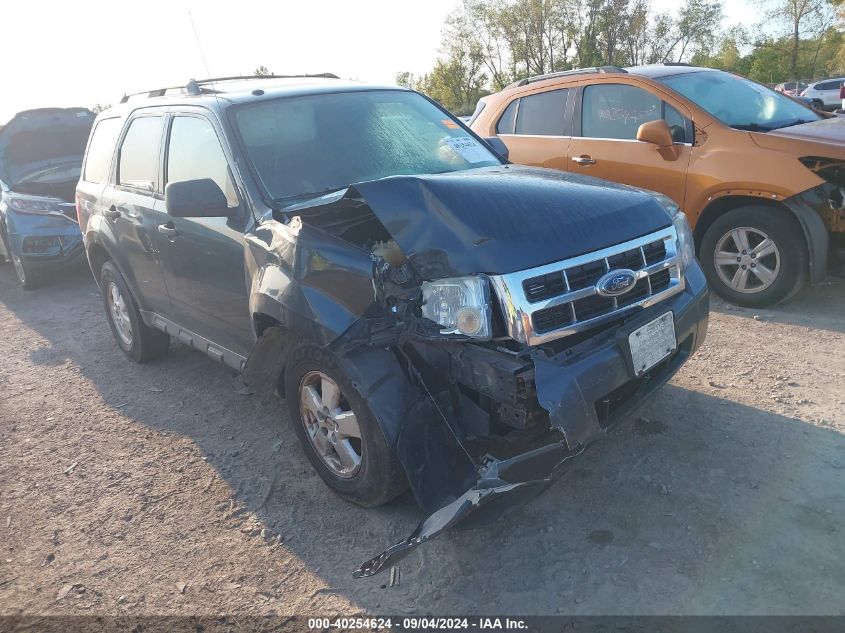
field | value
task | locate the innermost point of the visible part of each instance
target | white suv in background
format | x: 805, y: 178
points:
x: 827, y: 90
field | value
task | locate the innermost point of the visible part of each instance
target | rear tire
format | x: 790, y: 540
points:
x: 319, y: 396
x: 138, y: 341
x: 754, y: 256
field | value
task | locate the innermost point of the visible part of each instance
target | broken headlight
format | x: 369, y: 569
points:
x: 27, y: 204
x: 461, y: 305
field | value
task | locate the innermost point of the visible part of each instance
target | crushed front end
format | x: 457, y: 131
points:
x: 562, y: 366
x: 496, y: 322
x: 42, y: 232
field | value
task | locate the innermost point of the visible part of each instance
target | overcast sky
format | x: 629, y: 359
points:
x: 84, y: 53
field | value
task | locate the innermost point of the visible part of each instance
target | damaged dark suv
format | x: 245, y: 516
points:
x: 434, y: 316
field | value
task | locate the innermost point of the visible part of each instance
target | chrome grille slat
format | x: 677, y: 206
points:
x: 525, y: 296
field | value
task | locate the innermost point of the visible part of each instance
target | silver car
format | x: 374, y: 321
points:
x: 827, y: 90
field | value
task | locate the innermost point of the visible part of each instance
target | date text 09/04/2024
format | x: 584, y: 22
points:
x: 418, y: 623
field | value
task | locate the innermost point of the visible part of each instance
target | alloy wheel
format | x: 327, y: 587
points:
x: 747, y: 260
x: 330, y: 424
x: 119, y: 314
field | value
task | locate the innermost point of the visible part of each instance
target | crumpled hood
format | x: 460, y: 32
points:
x: 829, y: 134
x: 499, y: 220
x: 45, y: 144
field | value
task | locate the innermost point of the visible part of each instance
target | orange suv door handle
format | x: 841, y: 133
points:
x: 584, y: 160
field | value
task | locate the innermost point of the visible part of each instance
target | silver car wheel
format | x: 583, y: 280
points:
x: 119, y: 314
x: 747, y: 260
x: 330, y: 424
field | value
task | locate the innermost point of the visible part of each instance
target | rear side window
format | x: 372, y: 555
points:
x: 829, y: 85
x: 508, y: 119
x: 194, y: 152
x: 542, y: 114
x: 617, y: 111
x: 101, y: 150
x: 139, y: 154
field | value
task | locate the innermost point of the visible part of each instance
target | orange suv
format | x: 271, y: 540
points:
x: 760, y: 176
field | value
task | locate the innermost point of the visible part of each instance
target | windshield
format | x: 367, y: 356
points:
x: 739, y: 102
x: 309, y: 145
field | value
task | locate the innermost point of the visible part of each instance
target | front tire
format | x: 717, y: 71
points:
x: 28, y: 278
x: 338, y: 432
x: 754, y: 256
x: 138, y: 341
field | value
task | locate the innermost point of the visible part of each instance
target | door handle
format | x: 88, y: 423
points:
x: 584, y: 160
x: 168, y: 230
x: 112, y: 213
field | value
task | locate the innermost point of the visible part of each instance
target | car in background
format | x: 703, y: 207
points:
x: 40, y: 159
x: 815, y: 104
x: 791, y: 88
x: 826, y: 91
x: 759, y: 175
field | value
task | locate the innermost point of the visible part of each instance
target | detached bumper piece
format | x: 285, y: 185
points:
x: 503, y: 486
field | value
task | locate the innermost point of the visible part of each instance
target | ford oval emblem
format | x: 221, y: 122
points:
x: 616, y: 282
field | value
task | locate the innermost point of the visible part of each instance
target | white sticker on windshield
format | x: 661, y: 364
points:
x: 469, y: 149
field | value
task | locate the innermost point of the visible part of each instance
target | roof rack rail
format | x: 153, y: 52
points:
x: 566, y: 73
x: 676, y: 64
x: 194, y: 86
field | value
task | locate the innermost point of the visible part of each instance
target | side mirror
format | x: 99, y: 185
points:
x: 498, y: 146
x: 657, y: 133
x: 201, y: 198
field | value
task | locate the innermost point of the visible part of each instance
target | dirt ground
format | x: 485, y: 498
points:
x: 164, y: 489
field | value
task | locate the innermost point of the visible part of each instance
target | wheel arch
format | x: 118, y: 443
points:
x: 804, y: 218
x: 97, y: 256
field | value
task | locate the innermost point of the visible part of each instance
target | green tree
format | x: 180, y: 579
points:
x: 800, y: 20
x: 456, y: 82
x: 406, y: 79
x: 262, y: 71
x: 698, y: 25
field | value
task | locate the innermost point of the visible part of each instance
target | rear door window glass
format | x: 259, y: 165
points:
x: 101, y: 150
x: 508, y: 119
x: 139, y: 154
x: 616, y: 111
x: 542, y: 114
x: 194, y: 152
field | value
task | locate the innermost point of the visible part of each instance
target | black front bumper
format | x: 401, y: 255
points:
x: 585, y: 389
x: 589, y: 388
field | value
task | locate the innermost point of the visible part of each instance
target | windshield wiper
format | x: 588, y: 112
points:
x: 796, y: 122
x: 751, y: 127
x: 286, y: 200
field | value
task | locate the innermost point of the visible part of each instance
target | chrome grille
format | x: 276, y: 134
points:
x: 560, y: 299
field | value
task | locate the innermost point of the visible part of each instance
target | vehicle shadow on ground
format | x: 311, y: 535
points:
x: 720, y: 501
x: 819, y: 307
